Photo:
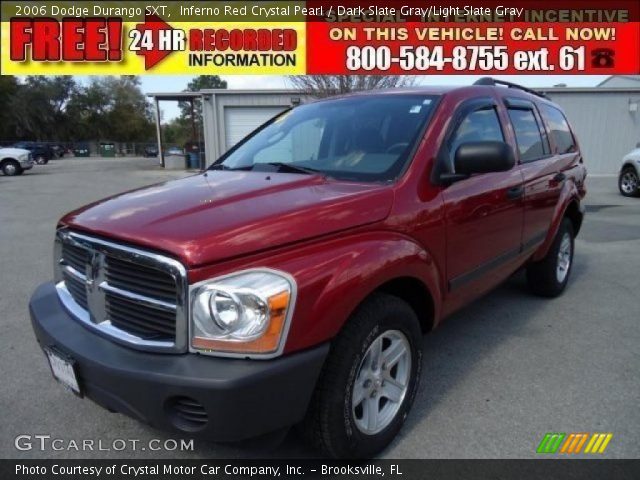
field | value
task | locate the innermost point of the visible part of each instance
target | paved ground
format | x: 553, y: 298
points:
x: 497, y: 376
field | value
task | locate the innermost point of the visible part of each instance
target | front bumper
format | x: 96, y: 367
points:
x: 240, y: 398
x: 26, y: 164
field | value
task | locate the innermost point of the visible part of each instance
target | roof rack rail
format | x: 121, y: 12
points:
x: 493, y: 82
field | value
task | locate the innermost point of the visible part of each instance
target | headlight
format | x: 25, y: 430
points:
x: 24, y: 157
x: 243, y: 313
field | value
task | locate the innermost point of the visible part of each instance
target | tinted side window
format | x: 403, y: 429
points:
x: 478, y: 126
x: 559, y: 129
x: 528, y: 134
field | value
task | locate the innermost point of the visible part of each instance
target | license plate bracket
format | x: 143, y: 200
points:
x: 63, y: 368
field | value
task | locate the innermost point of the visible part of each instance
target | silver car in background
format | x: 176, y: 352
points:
x: 628, y: 180
x: 14, y: 161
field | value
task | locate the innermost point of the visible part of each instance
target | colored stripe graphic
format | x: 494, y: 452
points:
x: 574, y: 443
x: 598, y: 443
x: 551, y: 442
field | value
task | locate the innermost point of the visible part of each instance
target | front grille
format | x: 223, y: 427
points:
x: 149, y: 323
x: 140, y: 279
x: 75, y: 257
x: 77, y: 289
x: 135, y: 296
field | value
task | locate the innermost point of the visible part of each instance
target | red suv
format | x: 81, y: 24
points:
x: 292, y: 281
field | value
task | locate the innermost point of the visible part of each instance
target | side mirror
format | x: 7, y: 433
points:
x: 483, y: 157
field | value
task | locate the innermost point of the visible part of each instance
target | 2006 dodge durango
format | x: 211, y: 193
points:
x: 291, y: 282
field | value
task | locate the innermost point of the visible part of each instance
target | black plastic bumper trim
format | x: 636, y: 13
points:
x: 242, y: 398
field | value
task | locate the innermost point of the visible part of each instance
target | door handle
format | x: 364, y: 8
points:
x: 515, y: 192
x: 559, y: 177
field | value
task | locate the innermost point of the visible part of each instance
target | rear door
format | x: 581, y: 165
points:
x: 484, y: 213
x: 539, y: 170
x: 545, y: 168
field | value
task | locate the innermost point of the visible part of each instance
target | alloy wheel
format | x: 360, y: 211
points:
x: 629, y: 182
x: 382, y: 382
x: 564, y: 258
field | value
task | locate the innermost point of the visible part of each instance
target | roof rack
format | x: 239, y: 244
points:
x: 493, y: 82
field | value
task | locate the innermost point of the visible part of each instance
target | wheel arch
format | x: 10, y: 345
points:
x: 569, y: 208
x: 413, y: 291
x: 629, y: 163
x: 8, y: 159
x: 573, y: 213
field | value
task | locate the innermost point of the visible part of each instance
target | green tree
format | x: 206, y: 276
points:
x: 130, y: 116
x: 8, y: 89
x: 328, y: 85
x: 112, y: 108
x: 39, y: 106
x: 194, y: 119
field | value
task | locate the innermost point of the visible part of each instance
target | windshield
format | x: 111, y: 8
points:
x: 366, y: 138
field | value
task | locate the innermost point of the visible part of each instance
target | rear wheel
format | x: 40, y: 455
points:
x: 369, y: 381
x: 11, y: 168
x: 549, y: 276
x: 628, y: 182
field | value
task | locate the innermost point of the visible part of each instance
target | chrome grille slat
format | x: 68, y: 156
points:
x: 72, y: 272
x: 140, y: 299
x: 145, y: 291
x: 133, y: 296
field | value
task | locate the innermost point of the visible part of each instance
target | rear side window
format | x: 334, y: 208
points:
x: 478, y: 126
x: 559, y: 129
x: 528, y: 136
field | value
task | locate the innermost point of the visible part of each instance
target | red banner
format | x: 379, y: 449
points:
x: 418, y: 38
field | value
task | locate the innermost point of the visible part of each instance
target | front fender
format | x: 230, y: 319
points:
x: 335, y: 278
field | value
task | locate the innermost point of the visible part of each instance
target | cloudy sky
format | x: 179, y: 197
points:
x: 177, y: 83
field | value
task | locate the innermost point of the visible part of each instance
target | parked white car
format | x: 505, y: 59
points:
x: 14, y: 161
x: 628, y: 181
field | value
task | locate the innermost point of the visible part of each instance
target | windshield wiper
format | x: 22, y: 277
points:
x: 292, y: 168
x: 222, y: 166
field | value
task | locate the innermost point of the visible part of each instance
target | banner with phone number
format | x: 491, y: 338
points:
x: 320, y: 37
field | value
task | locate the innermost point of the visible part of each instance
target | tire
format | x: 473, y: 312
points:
x: 11, y: 168
x: 628, y: 182
x: 549, y: 276
x: 41, y: 160
x: 335, y: 423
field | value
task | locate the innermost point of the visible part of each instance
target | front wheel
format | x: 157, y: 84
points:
x: 41, y: 160
x: 11, y: 168
x: 369, y: 381
x: 628, y: 182
x: 549, y: 276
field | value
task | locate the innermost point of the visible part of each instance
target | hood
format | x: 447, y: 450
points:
x: 13, y: 152
x: 632, y: 155
x: 218, y: 215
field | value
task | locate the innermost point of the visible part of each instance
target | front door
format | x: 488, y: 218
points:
x: 484, y: 213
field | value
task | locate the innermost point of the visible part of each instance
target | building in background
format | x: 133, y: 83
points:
x: 621, y: 81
